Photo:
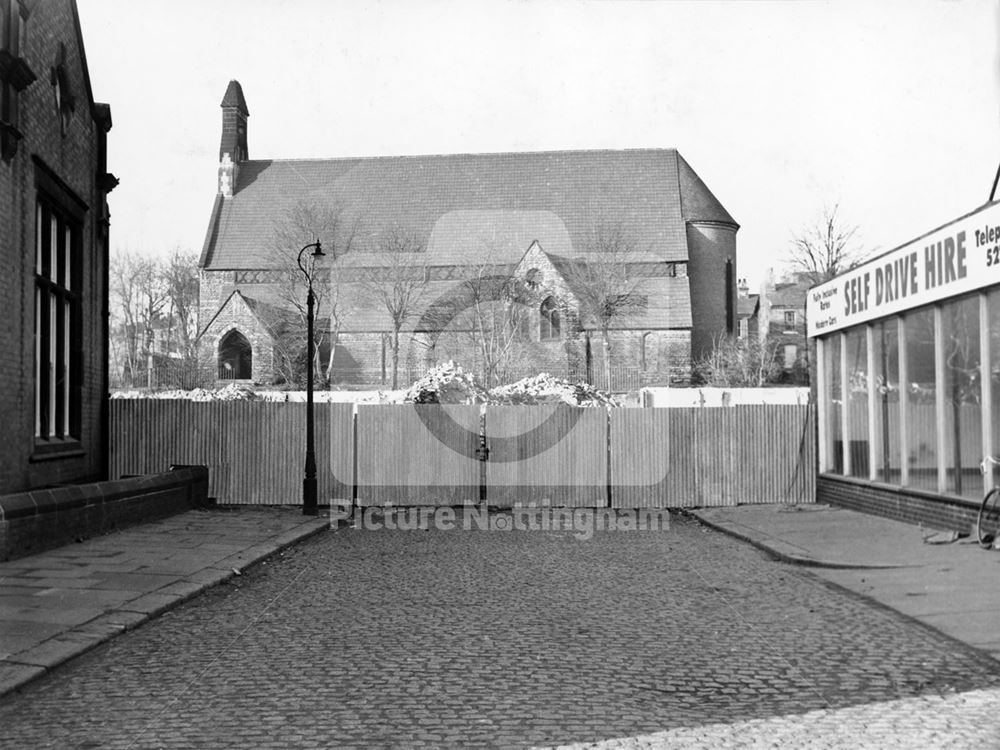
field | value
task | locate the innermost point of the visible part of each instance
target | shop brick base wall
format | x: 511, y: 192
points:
x: 37, y: 520
x: 911, y: 506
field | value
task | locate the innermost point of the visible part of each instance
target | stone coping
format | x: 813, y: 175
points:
x: 43, y: 518
x: 65, y: 497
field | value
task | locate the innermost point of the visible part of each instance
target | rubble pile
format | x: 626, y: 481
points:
x: 446, y: 383
x: 450, y: 384
x: 546, y: 389
x: 236, y: 392
x: 231, y: 392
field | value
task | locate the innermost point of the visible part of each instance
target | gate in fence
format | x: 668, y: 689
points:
x: 455, y: 455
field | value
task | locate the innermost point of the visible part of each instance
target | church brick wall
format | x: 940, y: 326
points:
x: 712, y: 246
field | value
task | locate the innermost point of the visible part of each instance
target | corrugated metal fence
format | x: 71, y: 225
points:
x: 254, y: 451
x: 430, y: 455
x: 403, y: 458
x: 700, y: 457
x: 546, y: 455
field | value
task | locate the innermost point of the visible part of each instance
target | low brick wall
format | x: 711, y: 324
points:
x: 909, y: 505
x: 34, y: 521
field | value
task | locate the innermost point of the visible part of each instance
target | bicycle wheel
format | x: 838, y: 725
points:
x: 988, y: 521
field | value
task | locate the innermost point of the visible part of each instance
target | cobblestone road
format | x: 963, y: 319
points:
x: 679, y: 638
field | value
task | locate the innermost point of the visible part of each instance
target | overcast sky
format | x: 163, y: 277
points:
x: 891, y: 109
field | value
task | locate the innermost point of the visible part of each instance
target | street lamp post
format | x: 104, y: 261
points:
x: 310, y: 506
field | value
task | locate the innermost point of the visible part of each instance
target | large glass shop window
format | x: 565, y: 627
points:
x: 962, y: 395
x: 904, y: 398
x: 885, y: 431
x: 994, y: 317
x: 921, y: 398
x: 834, y: 410
x: 856, y: 353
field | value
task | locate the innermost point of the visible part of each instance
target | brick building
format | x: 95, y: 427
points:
x: 54, y: 238
x: 747, y: 311
x: 536, y: 219
x: 782, y: 321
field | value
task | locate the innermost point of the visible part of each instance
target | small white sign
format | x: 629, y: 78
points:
x: 960, y: 257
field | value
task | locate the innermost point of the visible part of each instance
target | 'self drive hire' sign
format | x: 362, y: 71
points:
x: 959, y: 257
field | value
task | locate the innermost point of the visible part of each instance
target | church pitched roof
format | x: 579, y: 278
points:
x: 462, y: 207
x: 697, y: 201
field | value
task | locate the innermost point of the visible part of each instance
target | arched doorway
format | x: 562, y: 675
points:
x: 235, y: 357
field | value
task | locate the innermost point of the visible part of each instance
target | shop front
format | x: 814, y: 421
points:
x: 906, y: 375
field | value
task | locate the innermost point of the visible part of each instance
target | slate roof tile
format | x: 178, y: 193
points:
x: 460, y: 204
x: 467, y: 209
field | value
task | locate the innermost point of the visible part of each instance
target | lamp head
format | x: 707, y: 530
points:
x: 318, y: 252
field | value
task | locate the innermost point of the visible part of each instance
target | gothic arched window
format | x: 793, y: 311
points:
x: 235, y: 357
x: 549, y: 320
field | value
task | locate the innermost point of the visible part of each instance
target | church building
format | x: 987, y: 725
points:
x: 583, y: 264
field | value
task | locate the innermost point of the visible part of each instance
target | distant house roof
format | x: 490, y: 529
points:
x: 747, y: 306
x: 788, y: 294
x: 465, y: 207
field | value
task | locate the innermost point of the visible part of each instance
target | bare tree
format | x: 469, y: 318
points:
x: 138, y: 296
x: 152, y: 298
x: 496, y: 322
x: 739, y: 363
x: 180, y: 276
x: 484, y: 317
x: 339, y: 306
x: 604, y: 284
x: 304, y: 223
x: 125, y: 333
x: 398, y: 282
x: 288, y: 350
x: 826, y: 249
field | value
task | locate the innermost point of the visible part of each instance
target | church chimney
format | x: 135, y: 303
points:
x: 233, y: 147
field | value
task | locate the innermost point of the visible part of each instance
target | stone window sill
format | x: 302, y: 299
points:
x: 56, y: 449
